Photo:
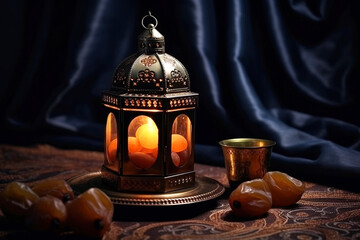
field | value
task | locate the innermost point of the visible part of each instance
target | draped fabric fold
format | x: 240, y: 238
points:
x: 282, y: 70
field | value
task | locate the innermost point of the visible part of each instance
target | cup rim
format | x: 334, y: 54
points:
x: 234, y: 142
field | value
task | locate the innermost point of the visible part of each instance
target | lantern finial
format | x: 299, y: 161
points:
x: 149, y: 15
x: 151, y: 40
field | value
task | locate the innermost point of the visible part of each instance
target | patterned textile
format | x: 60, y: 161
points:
x: 322, y: 213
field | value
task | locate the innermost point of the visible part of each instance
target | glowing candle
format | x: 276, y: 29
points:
x: 142, y: 160
x: 112, y: 149
x: 184, y: 156
x: 178, y: 143
x: 147, y: 134
x: 175, y: 159
x: 133, y: 145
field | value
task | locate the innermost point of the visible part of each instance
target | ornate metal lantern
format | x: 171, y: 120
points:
x: 149, y: 134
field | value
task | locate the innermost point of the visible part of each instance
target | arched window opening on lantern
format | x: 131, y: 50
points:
x: 143, y: 139
x: 181, y: 140
x: 111, y: 143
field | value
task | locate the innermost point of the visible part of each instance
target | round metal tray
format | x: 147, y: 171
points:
x: 204, y: 189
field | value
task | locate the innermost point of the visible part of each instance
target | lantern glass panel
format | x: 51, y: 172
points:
x: 181, y: 140
x: 111, y: 143
x: 143, y: 139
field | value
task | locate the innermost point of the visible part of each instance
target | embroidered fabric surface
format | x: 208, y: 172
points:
x: 322, y: 213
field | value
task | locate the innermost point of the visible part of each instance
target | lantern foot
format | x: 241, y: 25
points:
x: 147, y: 183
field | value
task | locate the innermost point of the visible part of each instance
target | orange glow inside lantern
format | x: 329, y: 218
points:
x: 143, y: 140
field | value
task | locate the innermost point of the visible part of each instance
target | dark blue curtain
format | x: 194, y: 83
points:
x: 285, y: 70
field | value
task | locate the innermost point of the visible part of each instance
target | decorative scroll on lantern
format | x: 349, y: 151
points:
x: 149, y: 133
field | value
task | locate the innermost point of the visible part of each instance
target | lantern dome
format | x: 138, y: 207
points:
x: 151, y: 70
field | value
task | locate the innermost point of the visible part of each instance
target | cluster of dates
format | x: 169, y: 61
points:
x: 255, y: 197
x: 49, y: 206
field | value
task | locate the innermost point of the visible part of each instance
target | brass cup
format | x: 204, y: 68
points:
x: 246, y: 158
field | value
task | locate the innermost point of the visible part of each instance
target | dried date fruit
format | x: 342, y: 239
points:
x: 251, y: 199
x: 90, y: 214
x: 58, y: 188
x: 285, y: 190
x: 47, y: 214
x: 16, y: 199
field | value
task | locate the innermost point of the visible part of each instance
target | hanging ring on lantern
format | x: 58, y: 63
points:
x: 149, y: 15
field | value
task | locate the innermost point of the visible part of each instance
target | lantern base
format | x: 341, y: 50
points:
x: 147, y: 183
x: 204, y: 189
